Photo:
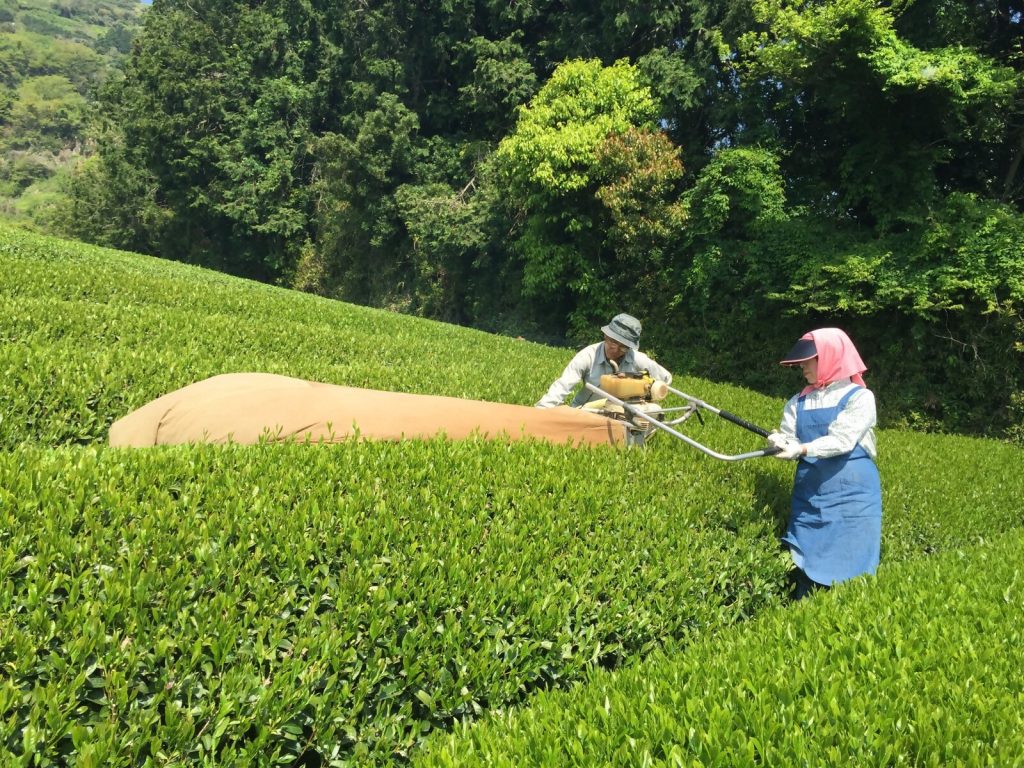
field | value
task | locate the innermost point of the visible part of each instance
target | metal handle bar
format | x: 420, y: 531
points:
x: 724, y: 414
x: 649, y: 418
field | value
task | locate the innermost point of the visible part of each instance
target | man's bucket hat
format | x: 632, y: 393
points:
x: 625, y: 329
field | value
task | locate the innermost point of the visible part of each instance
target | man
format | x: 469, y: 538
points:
x: 618, y: 353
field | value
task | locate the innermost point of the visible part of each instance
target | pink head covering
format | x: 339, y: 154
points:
x: 837, y: 358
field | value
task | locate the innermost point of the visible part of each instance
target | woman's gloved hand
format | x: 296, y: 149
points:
x: 789, y: 447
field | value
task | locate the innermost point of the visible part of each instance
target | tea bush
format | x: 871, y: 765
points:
x: 242, y: 604
x: 235, y: 604
x: 88, y: 334
x: 920, y: 666
x: 297, y: 604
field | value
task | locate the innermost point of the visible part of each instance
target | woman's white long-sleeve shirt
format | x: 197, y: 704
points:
x: 854, y: 424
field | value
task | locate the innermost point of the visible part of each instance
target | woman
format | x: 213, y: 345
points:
x: 835, y: 525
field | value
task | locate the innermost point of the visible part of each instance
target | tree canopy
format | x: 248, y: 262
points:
x: 735, y: 173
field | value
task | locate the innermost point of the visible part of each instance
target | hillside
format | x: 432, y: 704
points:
x: 918, y: 667
x: 336, y: 604
x: 532, y: 169
x: 54, y: 55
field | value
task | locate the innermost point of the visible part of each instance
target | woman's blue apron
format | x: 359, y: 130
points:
x: 835, y: 526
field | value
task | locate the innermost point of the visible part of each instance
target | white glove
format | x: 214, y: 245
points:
x: 777, y: 439
x: 789, y: 449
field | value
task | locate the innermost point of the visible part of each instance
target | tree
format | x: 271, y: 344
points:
x: 47, y: 113
x: 873, y: 128
x: 573, y: 169
x: 360, y: 233
x: 216, y: 105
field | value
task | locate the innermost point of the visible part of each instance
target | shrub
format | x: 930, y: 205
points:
x: 920, y: 666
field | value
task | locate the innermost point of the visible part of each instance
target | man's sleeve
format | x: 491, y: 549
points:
x: 564, y: 384
x: 657, y: 372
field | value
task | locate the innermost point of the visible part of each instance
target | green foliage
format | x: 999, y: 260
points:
x: 213, y: 109
x: 938, y: 23
x: 957, y: 287
x: 936, y: 315
x: 118, y: 38
x: 359, y: 230
x: 971, y: 255
x: 745, y: 171
x: 718, y: 295
x: 112, y: 200
x: 641, y: 219
x: 336, y: 604
x: 553, y: 149
x: 641, y: 171
x: 229, y: 606
x: 22, y: 171
x: 82, y: 21
x: 963, y: 76
x: 51, y: 61
x: 502, y: 79
x: 917, y: 112
x: 918, y: 667
x: 595, y: 183
x: 794, y: 34
x: 737, y: 192
x: 44, y: 199
x: 47, y: 114
x: 76, y: 319
x: 447, y: 229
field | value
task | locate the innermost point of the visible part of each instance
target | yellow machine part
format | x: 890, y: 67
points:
x: 644, y: 388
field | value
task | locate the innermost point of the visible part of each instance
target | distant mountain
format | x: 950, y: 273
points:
x: 54, y: 54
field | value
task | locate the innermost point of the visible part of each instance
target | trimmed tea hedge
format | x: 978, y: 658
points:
x: 329, y: 605
x: 235, y: 604
x: 87, y: 334
x: 244, y: 605
x: 921, y: 666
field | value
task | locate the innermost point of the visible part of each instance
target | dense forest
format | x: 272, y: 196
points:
x: 734, y: 173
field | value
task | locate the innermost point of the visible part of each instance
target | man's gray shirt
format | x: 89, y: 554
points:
x: 590, y: 364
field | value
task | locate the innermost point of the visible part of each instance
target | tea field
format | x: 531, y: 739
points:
x: 447, y: 603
